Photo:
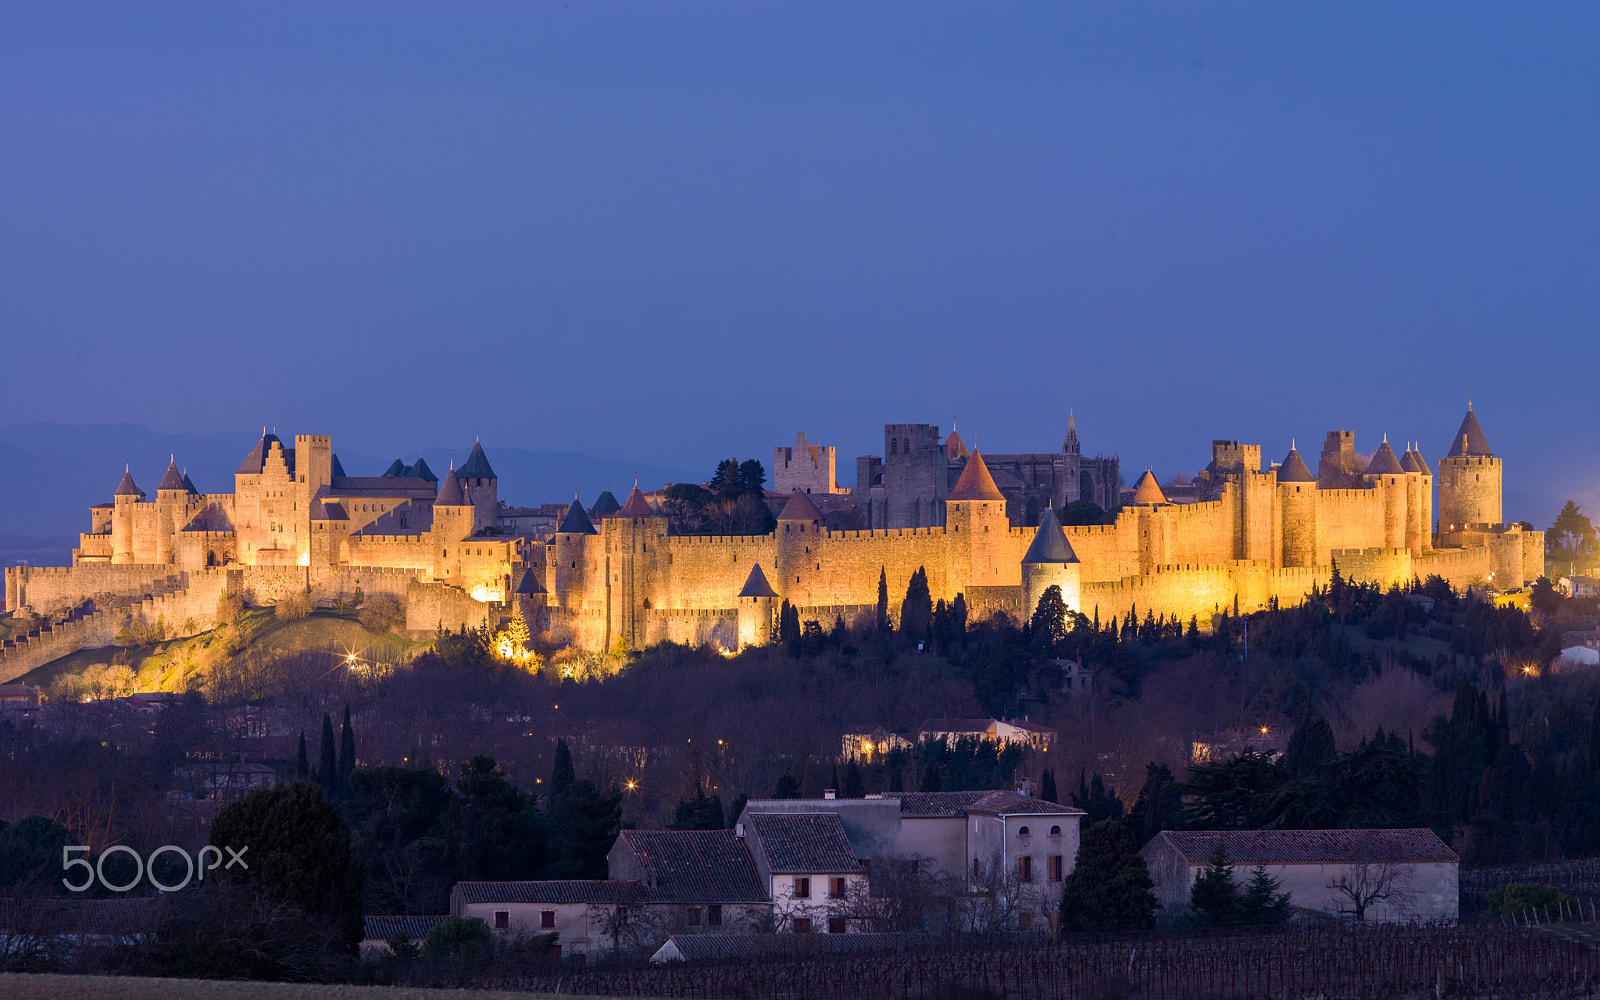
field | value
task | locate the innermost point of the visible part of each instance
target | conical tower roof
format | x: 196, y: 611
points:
x: 637, y: 506
x: 756, y: 585
x: 396, y: 469
x: 1147, y: 491
x: 1420, y: 463
x: 1293, y: 469
x: 1469, y: 439
x: 1408, y: 461
x: 954, y: 447
x: 338, y: 469
x: 576, y: 522
x: 529, y: 584
x: 1384, y: 462
x: 605, y: 504
x: 1050, y: 543
x: 477, y: 464
x: 172, y: 479
x: 188, y: 484
x: 450, y: 493
x: 975, y: 483
x: 800, y: 508
x: 421, y: 471
x: 126, y: 488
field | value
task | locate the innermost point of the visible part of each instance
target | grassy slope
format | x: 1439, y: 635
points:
x: 169, y: 666
x: 130, y: 988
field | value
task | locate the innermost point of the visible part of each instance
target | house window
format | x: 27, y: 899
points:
x: 1055, y: 831
x: 836, y: 888
x: 1022, y: 831
x: 547, y: 919
x: 802, y: 925
x: 1055, y: 867
x: 835, y: 925
x: 693, y: 915
x: 976, y: 873
x: 1025, y: 868
x: 714, y: 915
x: 502, y: 919
x: 802, y: 887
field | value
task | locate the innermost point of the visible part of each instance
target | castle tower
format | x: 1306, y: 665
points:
x: 916, y: 476
x: 1385, y: 473
x: 171, y: 499
x: 804, y: 466
x: 568, y: 557
x: 758, y: 604
x: 1152, y: 540
x: 127, y: 494
x: 532, y: 599
x: 799, y: 534
x: 452, y: 523
x: 1424, y: 505
x: 1469, y: 479
x: 1297, y: 500
x: 636, y: 554
x: 482, y: 486
x: 1418, y: 531
x: 1049, y: 562
x: 976, y: 509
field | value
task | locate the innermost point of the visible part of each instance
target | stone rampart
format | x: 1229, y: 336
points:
x: 1349, y: 519
x: 49, y: 587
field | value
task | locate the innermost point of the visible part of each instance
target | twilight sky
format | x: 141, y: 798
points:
x: 673, y: 232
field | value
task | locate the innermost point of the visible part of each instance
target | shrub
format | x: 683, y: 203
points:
x: 1516, y: 898
x: 294, y: 607
x: 463, y: 939
x: 381, y: 613
x: 229, y: 608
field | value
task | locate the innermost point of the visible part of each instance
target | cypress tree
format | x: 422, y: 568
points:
x: 1261, y: 902
x: 302, y: 764
x: 561, y: 773
x: 1047, y: 785
x: 789, y: 628
x: 327, y: 761
x: 958, y: 616
x: 897, y: 781
x: 883, y: 600
x: 347, y: 750
x: 916, y: 611
x: 1109, y: 888
x: 853, y: 786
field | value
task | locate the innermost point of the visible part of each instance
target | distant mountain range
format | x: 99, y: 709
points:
x: 53, y: 473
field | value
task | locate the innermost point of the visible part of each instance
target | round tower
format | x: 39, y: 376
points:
x: 1297, y: 499
x: 1148, y: 498
x: 1385, y: 474
x: 123, y: 500
x: 566, y: 556
x: 1050, y: 562
x: 1469, y: 479
x: 1417, y: 527
x: 452, y: 523
x: 799, y: 535
x: 171, y: 496
x: 758, y: 606
x: 976, y: 510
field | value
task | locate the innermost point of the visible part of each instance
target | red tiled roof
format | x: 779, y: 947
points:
x: 1310, y: 846
x: 802, y: 843
x: 696, y: 866
x: 975, y: 483
x: 800, y: 508
x: 636, y: 506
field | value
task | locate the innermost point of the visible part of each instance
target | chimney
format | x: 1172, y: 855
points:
x: 738, y: 830
x: 830, y: 793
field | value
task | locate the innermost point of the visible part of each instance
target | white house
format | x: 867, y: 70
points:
x: 580, y: 912
x: 1385, y: 875
x: 808, y: 868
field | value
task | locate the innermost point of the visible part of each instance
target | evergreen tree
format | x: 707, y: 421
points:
x: 788, y: 787
x: 703, y: 812
x: 302, y: 764
x: 958, y: 616
x: 1047, y: 786
x: 496, y: 828
x: 897, y: 780
x: 789, y: 628
x: 1215, y: 896
x: 561, y: 772
x: 517, y: 632
x: 1311, y: 748
x: 583, y: 823
x: 853, y: 787
x: 883, y: 601
x: 1261, y: 902
x: 1049, y: 624
x: 1096, y: 800
x: 916, y: 611
x: 328, y: 761
x: 1109, y: 888
x: 347, y: 750
x: 1159, y: 804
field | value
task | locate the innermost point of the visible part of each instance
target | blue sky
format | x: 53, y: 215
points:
x: 673, y: 232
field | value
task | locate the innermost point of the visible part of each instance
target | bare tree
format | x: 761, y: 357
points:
x: 1364, y: 884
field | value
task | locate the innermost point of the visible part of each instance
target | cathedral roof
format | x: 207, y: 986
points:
x: 1384, y: 462
x: 173, y: 479
x: 954, y: 447
x: 1412, y: 461
x: 421, y: 471
x: 756, y: 585
x: 257, y: 458
x: 1050, y: 543
x: 529, y: 584
x: 800, y: 508
x: 476, y: 465
x: 604, y: 505
x: 975, y: 483
x: 126, y: 488
x: 1147, y: 491
x: 338, y: 469
x: 576, y: 522
x: 450, y: 494
x: 1469, y: 439
x: 1293, y: 469
x: 637, y: 506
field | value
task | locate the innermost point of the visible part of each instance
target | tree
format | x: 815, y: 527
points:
x: 561, y: 772
x: 703, y: 812
x: 464, y: 940
x: 752, y: 477
x: 916, y: 611
x: 685, y: 506
x: 583, y: 825
x: 788, y: 787
x: 398, y: 819
x: 302, y: 764
x: 958, y: 615
x: 1311, y: 749
x: 883, y: 601
x: 1109, y: 888
x: 1096, y: 800
x: 500, y: 832
x: 852, y: 787
x: 1573, y: 534
x: 1365, y: 883
x: 327, y: 761
x: 789, y: 628
x: 381, y: 614
x: 1159, y: 804
x: 298, y: 853
x: 1215, y: 896
x: 293, y: 607
x: 30, y: 853
x: 1261, y: 902
x: 725, y: 481
x: 1049, y: 624
x: 347, y: 750
x: 1047, y: 786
